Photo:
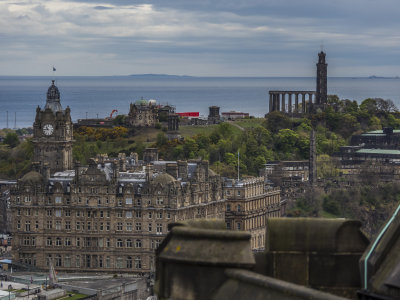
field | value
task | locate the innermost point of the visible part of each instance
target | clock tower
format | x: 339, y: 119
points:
x: 52, y: 135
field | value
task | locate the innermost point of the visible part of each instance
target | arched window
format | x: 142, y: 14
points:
x: 119, y: 243
x: 129, y: 243
x: 119, y: 263
x: 129, y: 262
x: 58, y: 260
x: 138, y: 262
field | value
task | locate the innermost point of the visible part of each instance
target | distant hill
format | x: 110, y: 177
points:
x: 160, y: 76
x: 382, y: 77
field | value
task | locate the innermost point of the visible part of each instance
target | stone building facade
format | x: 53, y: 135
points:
x: 5, y: 213
x: 248, y: 205
x: 97, y: 218
x: 213, y: 115
x: 143, y: 113
x: 111, y: 215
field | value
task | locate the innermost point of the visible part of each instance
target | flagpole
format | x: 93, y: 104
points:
x: 54, y: 72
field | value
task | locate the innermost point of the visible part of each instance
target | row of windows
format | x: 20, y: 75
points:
x: 98, y: 200
x: 256, y: 204
x: 228, y: 207
x: 238, y: 225
x: 93, y: 214
x: 93, y: 226
x: 93, y: 242
x: 94, y: 261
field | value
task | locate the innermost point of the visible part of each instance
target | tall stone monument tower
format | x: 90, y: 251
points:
x: 52, y: 135
x: 322, y: 86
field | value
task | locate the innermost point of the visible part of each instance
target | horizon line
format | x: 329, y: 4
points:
x: 202, y: 76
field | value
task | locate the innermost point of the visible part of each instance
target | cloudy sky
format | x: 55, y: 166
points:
x: 202, y: 37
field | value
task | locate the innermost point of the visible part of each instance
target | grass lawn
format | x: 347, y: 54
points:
x: 325, y: 214
x: 249, y: 123
x: 146, y: 135
x: 188, y: 131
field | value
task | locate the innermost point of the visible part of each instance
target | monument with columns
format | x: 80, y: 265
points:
x: 300, y: 102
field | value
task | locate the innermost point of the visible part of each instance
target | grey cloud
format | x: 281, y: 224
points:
x: 100, y: 7
x: 233, y: 35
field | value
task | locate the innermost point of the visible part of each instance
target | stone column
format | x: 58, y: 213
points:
x: 274, y: 106
x: 278, y: 102
x: 296, y: 104
x: 270, y: 102
x: 273, y: 102
x: 310, y: 103
x: 283, y: 108
x: 303, y: 101
x: 290, y: 103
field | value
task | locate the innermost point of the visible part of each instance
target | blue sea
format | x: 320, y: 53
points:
x: 98, y: 96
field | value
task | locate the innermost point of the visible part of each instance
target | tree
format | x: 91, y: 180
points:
x: 386, y: 106
x: 326, y: 167
x: 286, y: 139
x: 276, y: 121
x: 369, y: 105
x: 11, y: 139
x: 190, y: 148
x: 161, y: 139
x: 119, y: 120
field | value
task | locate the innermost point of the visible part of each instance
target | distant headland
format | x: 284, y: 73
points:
x: 160, y: 76
x: 383, y: 77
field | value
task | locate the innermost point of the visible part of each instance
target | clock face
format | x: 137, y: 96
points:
x: 48, y: 129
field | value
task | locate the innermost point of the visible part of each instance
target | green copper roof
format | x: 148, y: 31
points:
x: 373, y: 134
x: 381, y: 131
x: 379, y: 151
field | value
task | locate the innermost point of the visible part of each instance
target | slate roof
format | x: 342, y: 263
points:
x: 32, y: 177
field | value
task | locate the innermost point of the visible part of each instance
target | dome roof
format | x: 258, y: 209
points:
x: 53, y: 98
x: 32, y: 178
x: 141, y: 102
x: 164, y: 178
